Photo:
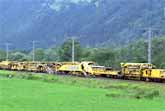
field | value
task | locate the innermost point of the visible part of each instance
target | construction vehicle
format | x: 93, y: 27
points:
x: 140, y: 71
x: 87, y: 68
x: 135, y: 70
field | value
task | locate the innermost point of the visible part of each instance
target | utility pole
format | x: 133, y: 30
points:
x: 149, y: 45
x: 149, y: 41
x: 73, y: 50
x: 33, y: 42
x: 7, y: 51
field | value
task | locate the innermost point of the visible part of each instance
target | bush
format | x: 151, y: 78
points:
x: 113, y: 94
x: 73, y: 82
x: 50, y: 78
x: 152, y: 94
x: 148, y: 94
x: 120, y: 86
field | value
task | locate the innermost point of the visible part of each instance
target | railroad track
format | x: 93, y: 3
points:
x: 93, y: 77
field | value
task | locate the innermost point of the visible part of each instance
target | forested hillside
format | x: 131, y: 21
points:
x: 93, y: 22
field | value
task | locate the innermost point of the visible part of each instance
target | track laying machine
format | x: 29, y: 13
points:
x: 141, y: 71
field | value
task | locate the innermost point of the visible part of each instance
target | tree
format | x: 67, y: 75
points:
x: 17, y: 56
x: 134, y: 52
x: 51, y: 54
x: 104, y: 56
x: 158, y: 52
x: 65, y: 51
x: 86, y: 54
x: 2, y: 55
x: 39, y: 54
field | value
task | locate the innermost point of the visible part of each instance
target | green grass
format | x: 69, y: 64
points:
x: 63, y: 93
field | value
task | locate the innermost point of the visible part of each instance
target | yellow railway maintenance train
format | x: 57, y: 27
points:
x: 140, y: 71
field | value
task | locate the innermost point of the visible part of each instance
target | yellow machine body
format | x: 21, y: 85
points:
x: 142, y: 71
x: 5, y: 64
x: 154, y: 73
x: 69, y: 67
x: 102, y: 70
x: 135, y: 69
x: 19, y: 66
x: 87, y: 68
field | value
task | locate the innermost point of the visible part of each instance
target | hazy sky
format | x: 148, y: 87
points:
x: 76, y: 1
x: 57, y: 3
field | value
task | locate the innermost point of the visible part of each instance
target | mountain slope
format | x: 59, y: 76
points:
x: 94, y: 22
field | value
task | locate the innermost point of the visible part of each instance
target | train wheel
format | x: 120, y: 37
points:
x: 147, y: 79
x: 142, y: 79
x: 114, y: 76
x: 94, y: 76
x: 158, y: 80
x: 163, y: 80
x: 125, y: 77
x: 85, y: 74
x: 108, y: 76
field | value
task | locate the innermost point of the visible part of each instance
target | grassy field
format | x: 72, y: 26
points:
x: 27, y: 92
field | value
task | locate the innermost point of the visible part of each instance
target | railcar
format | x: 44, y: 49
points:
x: 135, y: 70
x: 154, y: 75
x: 6, y: 65
x: 87, y: 68
x: 141, y: 71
